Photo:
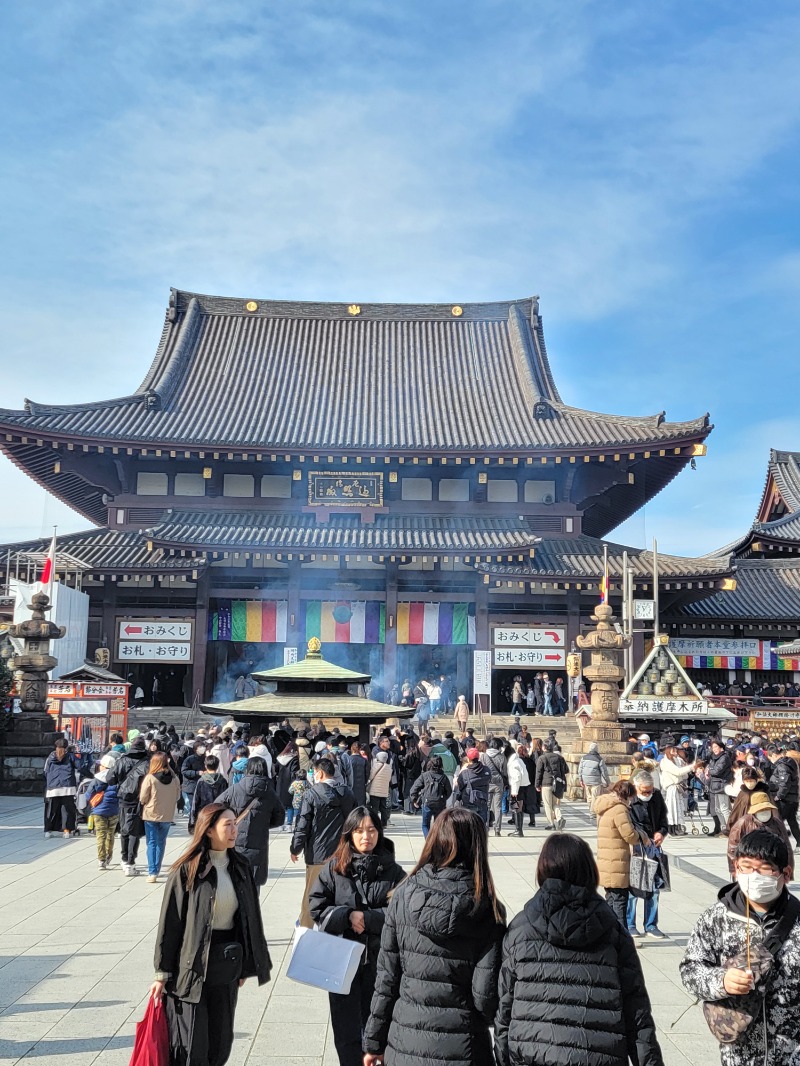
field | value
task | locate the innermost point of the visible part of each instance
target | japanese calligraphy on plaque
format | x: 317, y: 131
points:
x: 348, y: 489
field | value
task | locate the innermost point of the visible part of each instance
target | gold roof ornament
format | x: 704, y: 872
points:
x: 314, y: 646
x: 458, y: 311
x: 354, y: 309
x: 251, y: 305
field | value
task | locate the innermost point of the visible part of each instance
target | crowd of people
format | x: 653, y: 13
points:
x: 444, y: 977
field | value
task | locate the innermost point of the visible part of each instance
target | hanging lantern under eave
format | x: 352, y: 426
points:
x: 574, y: 664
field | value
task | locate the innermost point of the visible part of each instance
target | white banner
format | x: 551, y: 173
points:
x: 715, y: 646
x: 289, y: 656
x: 540, y: 637
x: 154, y: 652
x: 161, y: 629
x: 544, y: 658
x: 482, y: 673
x: 666, y: 708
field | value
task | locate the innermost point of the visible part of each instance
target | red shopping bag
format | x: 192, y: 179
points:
x: 151, y: 1047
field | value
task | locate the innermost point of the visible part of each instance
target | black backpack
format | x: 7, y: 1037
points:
x: 434, y: 793
x: 128, y: 791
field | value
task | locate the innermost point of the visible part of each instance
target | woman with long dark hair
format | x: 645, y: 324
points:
x: 436, y: 985
x: 571, y: 985
x: 210, y: 940
x: 349, y: 899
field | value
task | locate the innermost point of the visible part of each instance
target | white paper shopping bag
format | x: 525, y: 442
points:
x: 324, y: 961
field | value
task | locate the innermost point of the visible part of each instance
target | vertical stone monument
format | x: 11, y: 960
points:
x: 31, y: 734
x: 604, y: 671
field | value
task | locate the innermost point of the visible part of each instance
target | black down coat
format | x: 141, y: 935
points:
x: 318, y: 825
x: 366, y: 887
x: 571, y: 986
x: 436, y: 986
x: 264, y: 812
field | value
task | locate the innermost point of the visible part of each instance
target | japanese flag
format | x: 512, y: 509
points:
x: 47, y: 574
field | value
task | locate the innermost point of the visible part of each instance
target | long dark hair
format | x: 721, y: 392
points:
x: 196, y: 854
x: 458, y: 838
x: 346, y: 852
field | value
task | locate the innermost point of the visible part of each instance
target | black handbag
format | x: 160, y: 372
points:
x: 225, y: 961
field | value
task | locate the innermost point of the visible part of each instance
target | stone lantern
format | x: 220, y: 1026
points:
x: 30, y: 739
x: 605, y: 672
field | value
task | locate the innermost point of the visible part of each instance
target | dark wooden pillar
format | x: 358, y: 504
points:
x: 481, y: 613
x: 294, y: 638
x: 200, y: 648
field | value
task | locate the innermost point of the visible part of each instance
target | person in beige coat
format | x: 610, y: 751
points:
x: 159, y: 798
x: 616, y: 836
x: 379, y: 786
x: 461, y: 715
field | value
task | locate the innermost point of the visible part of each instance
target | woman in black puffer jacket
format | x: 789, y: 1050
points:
x: 436, y: 987
x: 571, y: 987
x: 349, y: 899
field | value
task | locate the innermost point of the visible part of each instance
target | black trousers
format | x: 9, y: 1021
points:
x: 59, y: 814
x: 130, y: 846
x: 617, y: 899
x: 788, y: 811
x: 201, y: 1034
x: 349, y: 1016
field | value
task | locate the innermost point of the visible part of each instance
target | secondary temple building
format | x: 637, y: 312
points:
x: 402, y: 481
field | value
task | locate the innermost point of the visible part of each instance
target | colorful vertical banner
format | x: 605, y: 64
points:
x: 345, y: 621
x: 435, y: 623
x: 249, y: 621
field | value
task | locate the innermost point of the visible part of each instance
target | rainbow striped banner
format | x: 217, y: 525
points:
x: 249, y: 621
x: 436, y: 623
x: 345, y: 621
x: 768, y: 660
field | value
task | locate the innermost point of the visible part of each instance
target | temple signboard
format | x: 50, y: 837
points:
x: 546, y: 658
x: 525, y: 637
x: 345, y: 489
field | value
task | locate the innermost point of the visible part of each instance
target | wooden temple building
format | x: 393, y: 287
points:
x: 402, y: 481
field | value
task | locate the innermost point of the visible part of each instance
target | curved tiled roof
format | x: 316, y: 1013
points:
x: 106, y: 550
x: 582, y: 557
x: 784, y: 470
x: 314, y: 376
x: 765, y: 589
x: 277, y: 531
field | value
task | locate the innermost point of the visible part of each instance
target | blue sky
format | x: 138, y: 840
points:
x: 633, y: 164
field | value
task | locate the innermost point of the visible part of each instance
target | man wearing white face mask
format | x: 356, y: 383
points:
x: 744, y: 953
x: 649, y: 816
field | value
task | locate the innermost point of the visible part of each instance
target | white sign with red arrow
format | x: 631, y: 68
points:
x: 155, y: 629
x: 521, y: 637
x: 542, y: 658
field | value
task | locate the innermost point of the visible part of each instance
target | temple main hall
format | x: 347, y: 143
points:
x: 402, y: 481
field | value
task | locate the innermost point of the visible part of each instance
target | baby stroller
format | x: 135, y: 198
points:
x: 698, y: 826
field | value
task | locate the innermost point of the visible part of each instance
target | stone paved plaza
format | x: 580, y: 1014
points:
x: 77, y: 946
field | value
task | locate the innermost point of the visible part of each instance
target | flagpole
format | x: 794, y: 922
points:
x: 51, y: 582
x: 655, y: 590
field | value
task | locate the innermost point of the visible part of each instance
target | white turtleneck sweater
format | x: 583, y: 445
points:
x: 226, y: 904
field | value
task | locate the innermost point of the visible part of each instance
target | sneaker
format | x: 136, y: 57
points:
x: 656, y: 934
x: 67, y: 835
x: 151, y: 880
x: 635, y: 932
x: 549, y: 827
x: 101, y: 864
x: 47, y: 836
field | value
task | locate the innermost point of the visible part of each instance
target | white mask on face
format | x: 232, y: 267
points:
x: 760, y: 888
x: 646, y: 799
x: 764, y: 816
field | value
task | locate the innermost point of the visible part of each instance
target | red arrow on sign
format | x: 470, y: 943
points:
x: 552, y: 633
x: 132, y: 629
x: 553, y: 658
